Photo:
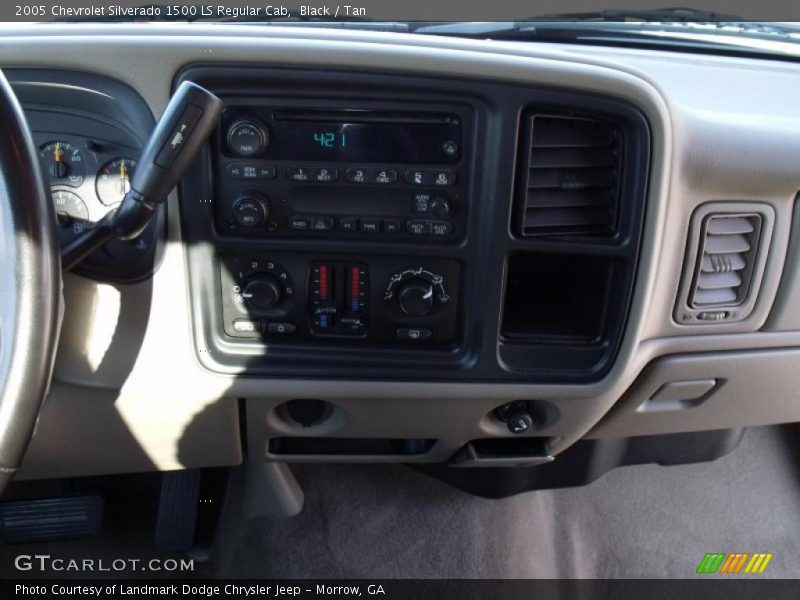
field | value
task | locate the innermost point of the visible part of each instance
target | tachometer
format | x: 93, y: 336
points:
x: 64, y: 163
x: 114, y: 180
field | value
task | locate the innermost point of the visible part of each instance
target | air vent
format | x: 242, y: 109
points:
x: 725, y: 264
x: 573, y: 177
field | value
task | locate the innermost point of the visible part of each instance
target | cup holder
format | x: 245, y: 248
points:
x: 308, y: 415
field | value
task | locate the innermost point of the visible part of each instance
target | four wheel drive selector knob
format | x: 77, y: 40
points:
x: 262, y: 291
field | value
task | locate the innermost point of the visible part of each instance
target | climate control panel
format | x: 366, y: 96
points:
x: 299, y: 296
x: 339, y: 298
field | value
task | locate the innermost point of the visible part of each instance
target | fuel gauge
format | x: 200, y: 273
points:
x: 64, y: 163
x: 114, y: 180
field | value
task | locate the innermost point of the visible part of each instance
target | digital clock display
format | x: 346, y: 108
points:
x: 366, y: 137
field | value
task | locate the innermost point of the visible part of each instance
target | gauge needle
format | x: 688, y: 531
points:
x: 123, y: 178
x: 59, y: 165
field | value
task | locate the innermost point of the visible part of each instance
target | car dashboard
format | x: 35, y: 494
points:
x: 403, y: 248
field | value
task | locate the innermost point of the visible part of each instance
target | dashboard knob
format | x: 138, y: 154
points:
x: 248, y: 137
x: 262, y: 292
x: 251, y: 210
x: 415, y: 297
x: 440, y: 206
x: 517, y: 416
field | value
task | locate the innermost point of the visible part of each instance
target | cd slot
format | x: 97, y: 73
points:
x: 359, y: 116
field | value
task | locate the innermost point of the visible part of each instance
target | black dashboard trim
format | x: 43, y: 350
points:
x: 477, y: 354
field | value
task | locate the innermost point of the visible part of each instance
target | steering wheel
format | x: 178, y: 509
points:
x: 30, y: 285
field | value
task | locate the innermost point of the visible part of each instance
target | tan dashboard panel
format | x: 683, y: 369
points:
x: 708, y: 391
x: 722, y: 129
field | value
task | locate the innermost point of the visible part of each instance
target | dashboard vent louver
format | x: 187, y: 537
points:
x: 573, y: 176
x: 726, y: 259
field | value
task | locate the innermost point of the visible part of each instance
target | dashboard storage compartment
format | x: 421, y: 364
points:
x: 563, y: 314
x: 556, y: 295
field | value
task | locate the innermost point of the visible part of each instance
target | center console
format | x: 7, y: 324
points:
x: 395, y: 227
x: 300, y: 170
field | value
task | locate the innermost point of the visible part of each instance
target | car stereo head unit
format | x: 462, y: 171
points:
x: 363, y: 136
x: 285, y: 171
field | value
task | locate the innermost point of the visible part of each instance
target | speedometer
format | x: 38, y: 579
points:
x: 70, y: 209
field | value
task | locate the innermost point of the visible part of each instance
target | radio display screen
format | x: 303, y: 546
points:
x: 364, y: 137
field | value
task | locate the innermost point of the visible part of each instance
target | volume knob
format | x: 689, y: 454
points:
x: 248, y: 137
x: 415, y: 297
x: 262, y: 292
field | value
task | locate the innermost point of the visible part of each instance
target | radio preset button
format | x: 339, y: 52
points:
x: 348, y: 224
x: 415, y: 176
x: 384, y: 176
x: 370, y: 225
x: 371, y: 175
x: 418, y: 227
x: 391, y: 226
x: 321, y: 223
x: 324, y: 174
x: 435, y: 177
x: 298, y: 223
x: 298, y: 173
x: 443, y: 178
x: 356, y: 175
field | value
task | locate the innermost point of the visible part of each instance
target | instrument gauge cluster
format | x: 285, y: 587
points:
x: 88, y: 133
x: 87, y: 178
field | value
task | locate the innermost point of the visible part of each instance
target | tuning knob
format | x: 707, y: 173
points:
x: 262, y: 292
x: 248, y: 137
x: 440, y: 207
x: 415, y: 297
x: 250, y: 210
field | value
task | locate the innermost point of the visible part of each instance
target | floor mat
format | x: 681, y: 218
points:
x: 643, y: 521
